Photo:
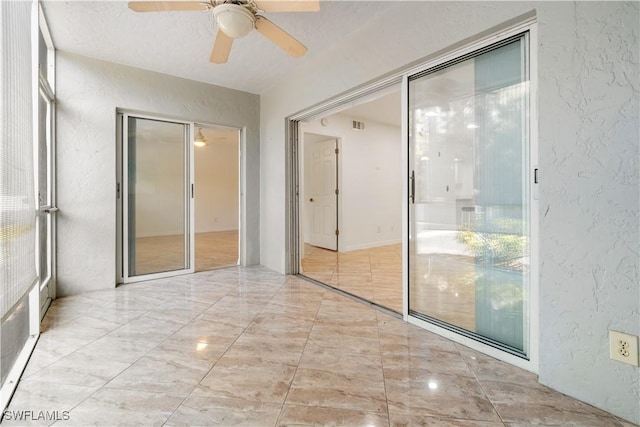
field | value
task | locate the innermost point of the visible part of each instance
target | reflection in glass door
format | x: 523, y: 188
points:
x: 469, y: 203
x: 156, y: 198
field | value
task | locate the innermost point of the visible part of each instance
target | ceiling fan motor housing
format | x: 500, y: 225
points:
x: 234, y: 20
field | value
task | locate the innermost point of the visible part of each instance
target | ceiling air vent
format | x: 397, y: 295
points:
x: 358, y: 125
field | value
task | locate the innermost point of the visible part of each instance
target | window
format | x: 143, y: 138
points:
x: 18, y: 275
x: 27, y: 197
x: 470, y: 202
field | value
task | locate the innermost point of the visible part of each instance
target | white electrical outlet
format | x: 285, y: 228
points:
x: 623, y: 347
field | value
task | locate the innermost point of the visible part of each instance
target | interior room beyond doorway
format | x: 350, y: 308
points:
x: 217, y: 202
x: 351, y: 202
x: 159, y: 172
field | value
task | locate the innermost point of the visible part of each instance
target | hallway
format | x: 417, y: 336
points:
x: 248, y: 346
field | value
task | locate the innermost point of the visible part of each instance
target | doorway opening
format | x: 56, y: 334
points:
x: 351, y: 199
x: 217, y: 197
x: 178, y: 196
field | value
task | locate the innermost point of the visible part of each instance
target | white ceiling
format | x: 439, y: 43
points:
x: 314, y: 137
x: 386, y: 109
x: 179, y: 43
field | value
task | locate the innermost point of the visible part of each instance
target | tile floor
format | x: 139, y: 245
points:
x: 374, y: 274
x: 166, y: 253
x: 216, y: 249
x: 248, y: 346
x: 444, y: 285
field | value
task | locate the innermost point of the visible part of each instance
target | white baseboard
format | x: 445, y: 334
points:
x: 161, y: 233
x: 216, y: 230
x: 177, y: 233
x: 370, y: 245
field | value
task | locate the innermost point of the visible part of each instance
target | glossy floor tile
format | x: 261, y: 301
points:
x: 374, y: 274
x: 166, y: 253
x: 446, y: 282
x: 250, y: 347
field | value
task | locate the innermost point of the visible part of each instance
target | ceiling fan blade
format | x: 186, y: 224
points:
x: 167, y: 6
x: 288, y: 5
x: 280, y: 37
x: 221, y: 48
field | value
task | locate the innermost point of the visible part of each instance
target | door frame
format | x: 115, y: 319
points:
x: 119, y: 185
x: 294, y: 156
x: 46, y: 88
x: 531, y: 310
x: 122, y: 202
x: 523, y: 23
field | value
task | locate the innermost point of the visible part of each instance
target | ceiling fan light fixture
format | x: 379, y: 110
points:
x: 234, y: 20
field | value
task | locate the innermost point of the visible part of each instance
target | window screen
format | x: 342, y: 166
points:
x: 17, y: 201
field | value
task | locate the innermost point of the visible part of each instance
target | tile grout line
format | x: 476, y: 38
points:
x: 130, y: 364
x: 384, y: 377
x: 118, y: 374
x: 228, y: 348
x: 475, y: 377
x: 165, y: 340
x: 315, y: 317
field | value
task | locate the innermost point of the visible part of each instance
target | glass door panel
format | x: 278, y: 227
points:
x: 46, y: 208
x: 469, y: 213
x: 158, y: 194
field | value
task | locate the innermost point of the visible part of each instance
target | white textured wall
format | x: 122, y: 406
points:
x: 159, y: 184
x: 589, y: 200
x: 88, y: 93
x: 588, y: 135
x: 370, y: 181
x: 160, y: 188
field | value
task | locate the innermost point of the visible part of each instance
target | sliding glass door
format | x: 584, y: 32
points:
x: 45, y: 167
x: 156, y: 198
x: 469, y: 208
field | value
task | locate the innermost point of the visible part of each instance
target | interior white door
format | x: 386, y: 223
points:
x: 322, y: 197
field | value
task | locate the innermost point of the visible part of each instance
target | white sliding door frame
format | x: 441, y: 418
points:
x: 522, y: 24
x: 123, y: 202
x: 122, y: 255
x: 530, y: 361
x: 48, y: 211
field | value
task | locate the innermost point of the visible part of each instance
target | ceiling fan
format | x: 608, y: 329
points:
x: 236, y: 18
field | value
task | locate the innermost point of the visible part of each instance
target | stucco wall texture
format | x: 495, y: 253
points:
x: 88, y: 93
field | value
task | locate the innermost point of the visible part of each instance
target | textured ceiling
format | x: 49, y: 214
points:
x: 179, y: 43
